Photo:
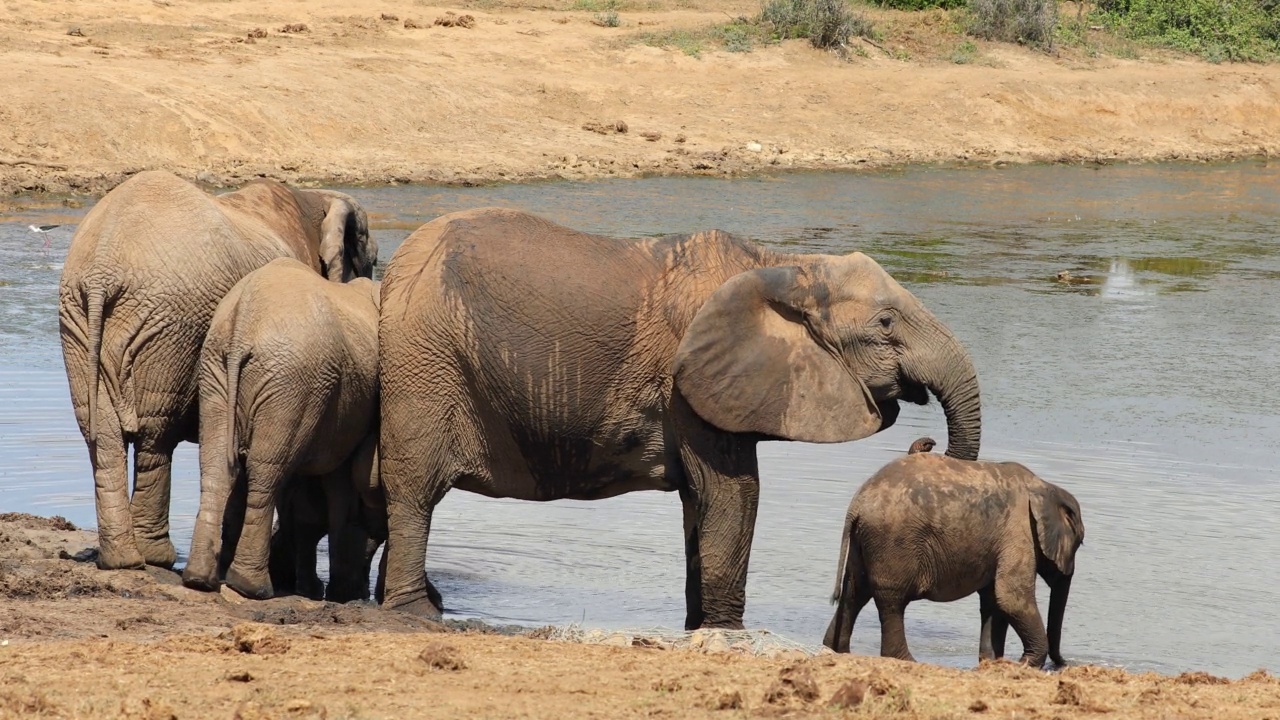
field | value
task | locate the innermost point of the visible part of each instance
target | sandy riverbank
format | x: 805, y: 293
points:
x: 359, y: 97
x: 76, y: 642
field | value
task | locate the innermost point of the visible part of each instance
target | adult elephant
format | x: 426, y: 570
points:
x: 524, y: 359
x: 145, y: 271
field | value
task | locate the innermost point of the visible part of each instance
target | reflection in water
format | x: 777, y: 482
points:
x: 1120, y: 282
x: 1155, y: 406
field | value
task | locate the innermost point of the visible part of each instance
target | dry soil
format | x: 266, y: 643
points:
x: 76, y: 642
x: 373, y: 91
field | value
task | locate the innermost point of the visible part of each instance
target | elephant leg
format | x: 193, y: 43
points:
x: 117, y: 548
x: 149, y: 507
x: 994, y: 626
x: 349, y: 541
x: 1016, y: 599
x: 248, y: 573
x: 306, y: 541
x: 693, y: 560
x: 721, y: 497
x: 893, y: 632
x: 406, y: 587
x: 853, y: 597
x: 282, y: 563
x: 380, y: 587
x: 221, y: 514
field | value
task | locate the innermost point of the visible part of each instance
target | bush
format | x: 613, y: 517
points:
x: 826, y: 23
x: 1216, y: 29
x: 1031, y: 22
x: 920, y: 4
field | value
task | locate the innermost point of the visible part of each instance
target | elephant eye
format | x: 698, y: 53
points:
x: 886, y: 321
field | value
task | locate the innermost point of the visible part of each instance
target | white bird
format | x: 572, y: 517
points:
x: 43, y: 229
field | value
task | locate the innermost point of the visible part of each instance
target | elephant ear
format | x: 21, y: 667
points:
x: 346, y: 250
x: 1059, y: 528
x: 751, y: 362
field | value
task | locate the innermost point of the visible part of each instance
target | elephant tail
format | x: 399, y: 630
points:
x: 235, y: 358
x: 93, y: 317
x: 845, y: 565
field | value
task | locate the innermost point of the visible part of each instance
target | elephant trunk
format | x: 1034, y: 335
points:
x: 947, y: 370
x: 1058, y: 593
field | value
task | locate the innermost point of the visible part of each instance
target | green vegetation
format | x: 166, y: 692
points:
x: 826, y: 23
x: 1216, y: 30
x: 920, y: 4
x: 964, y: 53
x: 1030, y: 22
x: 689, y: 42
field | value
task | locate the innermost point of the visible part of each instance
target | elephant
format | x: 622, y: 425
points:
x: 924, y: 444
x: 144, y: 273
x: 289, y: 396
x: 303, y: 519
x: 303, y: 511
x: 523, y: 359
x: 938, y: 528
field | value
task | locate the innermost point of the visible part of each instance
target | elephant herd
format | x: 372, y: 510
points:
x: 508, y: 356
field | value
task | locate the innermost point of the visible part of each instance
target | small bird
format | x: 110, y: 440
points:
x: 43, y: 229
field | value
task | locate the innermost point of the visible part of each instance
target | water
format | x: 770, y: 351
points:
x: 1150, y: 392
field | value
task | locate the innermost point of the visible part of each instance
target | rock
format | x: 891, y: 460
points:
x: 388, y: 17
x: 755, y: 147
x: 651, y: 135
x: 294, y: 28
x: 256, y: 33
x: 620, y: 127
x: 728, y: 701
x: 849, y: 695
x: 978, y: 706
x: 442, y: 656
x: 231, y: 596
x: 411, y: 24
x: 1069, y: 693
x: 241, y: 676
x: 258, y: 639
x: 75, y: 32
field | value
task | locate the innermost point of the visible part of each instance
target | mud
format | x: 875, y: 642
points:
x: 77, y: 642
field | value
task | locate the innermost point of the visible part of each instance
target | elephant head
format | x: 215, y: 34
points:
x: 346, y: 249
x: 822, y: 351
x: 1059, y: 533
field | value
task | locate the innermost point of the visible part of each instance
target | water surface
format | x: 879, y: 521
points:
x: 1149, y: 391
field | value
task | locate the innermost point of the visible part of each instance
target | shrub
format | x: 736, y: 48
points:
x: 1031, y: 22
x: 1215, y: 29
x: 920, y: 4
x: 826, y: 23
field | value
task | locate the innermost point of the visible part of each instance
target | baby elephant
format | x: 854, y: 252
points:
x: 932, y: 527
x: 289, y: 405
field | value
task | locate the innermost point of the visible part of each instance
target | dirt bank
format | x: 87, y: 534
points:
x: 370, y: 91
x: 76, y: 642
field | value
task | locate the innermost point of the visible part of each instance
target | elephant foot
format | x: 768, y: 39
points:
x: 420, y: 607
x: 341, y: 592
x: 119, y: 555
x: 720, y: 625
x: 257, y: 590
x: 1032, y: 662
x: 205, y: 582
x: 158, y: 552
x: 434, y: 595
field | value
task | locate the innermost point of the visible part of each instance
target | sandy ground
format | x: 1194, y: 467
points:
x: 76, y: 642
x: 372, y: 92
